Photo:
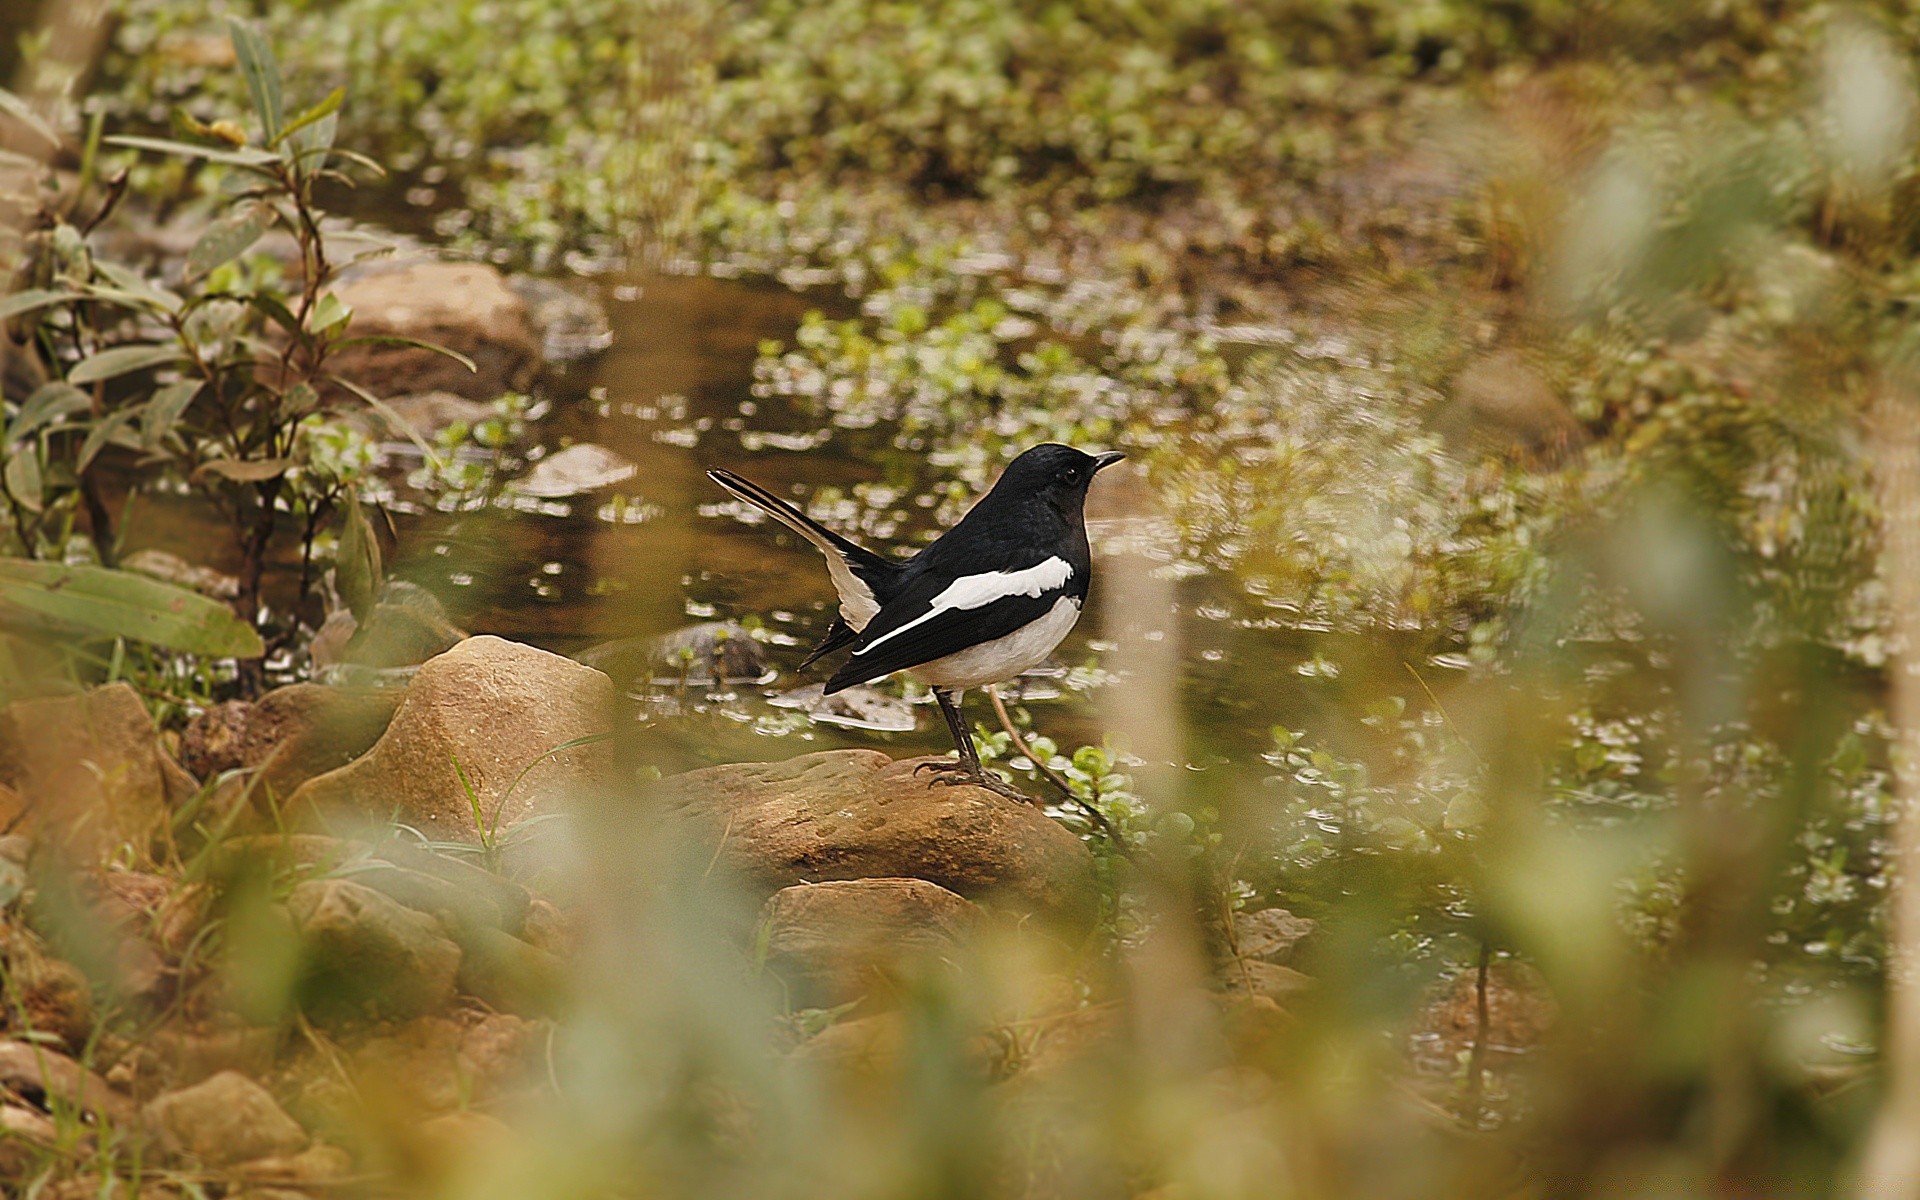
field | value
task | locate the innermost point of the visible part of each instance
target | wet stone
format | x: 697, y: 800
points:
x: 576, y: 470
x: 368, y: 955
x: 222, y: 1120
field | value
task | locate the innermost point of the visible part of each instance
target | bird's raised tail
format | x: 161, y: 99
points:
x: 862, y: 578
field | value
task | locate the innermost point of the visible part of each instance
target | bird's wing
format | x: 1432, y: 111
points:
x: 939, y: 614
x: 862, y: 578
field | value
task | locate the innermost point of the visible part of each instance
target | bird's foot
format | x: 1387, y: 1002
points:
x: 950, y: 772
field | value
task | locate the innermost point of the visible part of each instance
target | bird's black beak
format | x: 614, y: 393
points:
x: 1102, y: 461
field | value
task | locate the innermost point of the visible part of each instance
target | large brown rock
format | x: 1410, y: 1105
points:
x: 466, y: 307
x: 370, y: 955
x: 500, y: 710
x: 37, y: 1070
x: 221, y: 1120
x: 90, y: 769
x: 832, y: 942
x: 857, y: 814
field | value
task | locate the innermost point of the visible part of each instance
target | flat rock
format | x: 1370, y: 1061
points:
x: 38, y: 1070
x: 407, y: 625
x: 578, y: 469
x: 171, y: 568
x: 857, y: 707
x: 699, y: 655
x: 499, y: 709
x: 224, y: 1119
x: 833, y: 942
x: 368, y: 954
x: 1271, y: 934
x: 572, y: 326
x: 90, y: 769
x: 858, y: 814
x: 423, y: 414
x: 466, y: 307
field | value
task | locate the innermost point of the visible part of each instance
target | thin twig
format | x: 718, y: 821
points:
x: 1477, y: 1057
x: 1020, y: 743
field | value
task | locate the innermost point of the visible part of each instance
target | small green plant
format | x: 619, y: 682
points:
x: 214, y: 377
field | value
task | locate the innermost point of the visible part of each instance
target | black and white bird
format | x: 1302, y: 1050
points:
x: 988, y: 600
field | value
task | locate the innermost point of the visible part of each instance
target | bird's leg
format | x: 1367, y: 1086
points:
x: 967, y: 768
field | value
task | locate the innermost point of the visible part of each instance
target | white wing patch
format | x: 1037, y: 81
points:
x: 978, y: 591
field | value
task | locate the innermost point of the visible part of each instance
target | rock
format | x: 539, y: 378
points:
x: 465, y: 307
x: 434, y: 1064
x: 173, y: 569
x: 580, y: 468
x: 454, y: 1142
x: 27, y: 1136
x: 189, y: 1056
x: 318, y: 1166
x: 857, y: 814
x: 91, y: 770
x: 1500, y: 399
x: 329, y: 645
x: 222, y: 1120
x: 292, y: 733
x: 877, y: 1045
x: 1252, y: 977
x: 858, y: 707
x: 407, y: 625
x: 699, y: 655
x: 1270, y: 935
x: 367, y: 954
x: 551, y: 929
x: 500, y: 710
x: 834, y: 942
x: 40, y: 1071
x: 54, y: 995
x: 499, y: 895
x: 509, y: 975
x: 424, y: 415
x: 572, y: 326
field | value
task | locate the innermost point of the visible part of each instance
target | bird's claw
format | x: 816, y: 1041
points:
x: 949, y: 772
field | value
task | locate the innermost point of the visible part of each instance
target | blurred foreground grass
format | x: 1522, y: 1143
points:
x: 1578, y: 453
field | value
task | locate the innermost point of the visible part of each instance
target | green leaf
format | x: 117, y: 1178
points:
x: 122, y: 360
x: 17, y: 108
x: 244, y: 470
x: 48, y: 403
x: 276, y: 311
x: 102, y: 432
x: 30, y: 299
x: 55, y: 598
x: 263, y: 77
x: 314, y: 116
x: 227, y: 238
x: 129, y: 287
x: 386, y: 339
x: 238, y: 157
x: 328, y: 312
x: 166, y: 408
x: 357, y: 567
x: 22, y: 478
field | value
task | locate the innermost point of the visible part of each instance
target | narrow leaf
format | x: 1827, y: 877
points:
x: 357, y: 567
x: 22, y: 478
x: 48, y: 403
x: 386, y: 339
x: 121, y: 360
x: 55, y: 598
x: 328, y: 312
x: 140, y: 289
x: 399, y: 422
x: 30, y: 299
x: 240, y: 157
x: 244, y: 470
x: 263, y: 76
x: 166, y: 408
x: 313, y: 116
x: 99, y: 435
x: 227, y: 238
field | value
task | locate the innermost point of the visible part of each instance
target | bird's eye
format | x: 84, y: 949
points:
x: 1070, y: 476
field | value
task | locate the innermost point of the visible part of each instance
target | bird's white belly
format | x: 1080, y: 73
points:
x: 1003, y: 658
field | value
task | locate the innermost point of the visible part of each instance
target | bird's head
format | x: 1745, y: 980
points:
x: 1058, y: 474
